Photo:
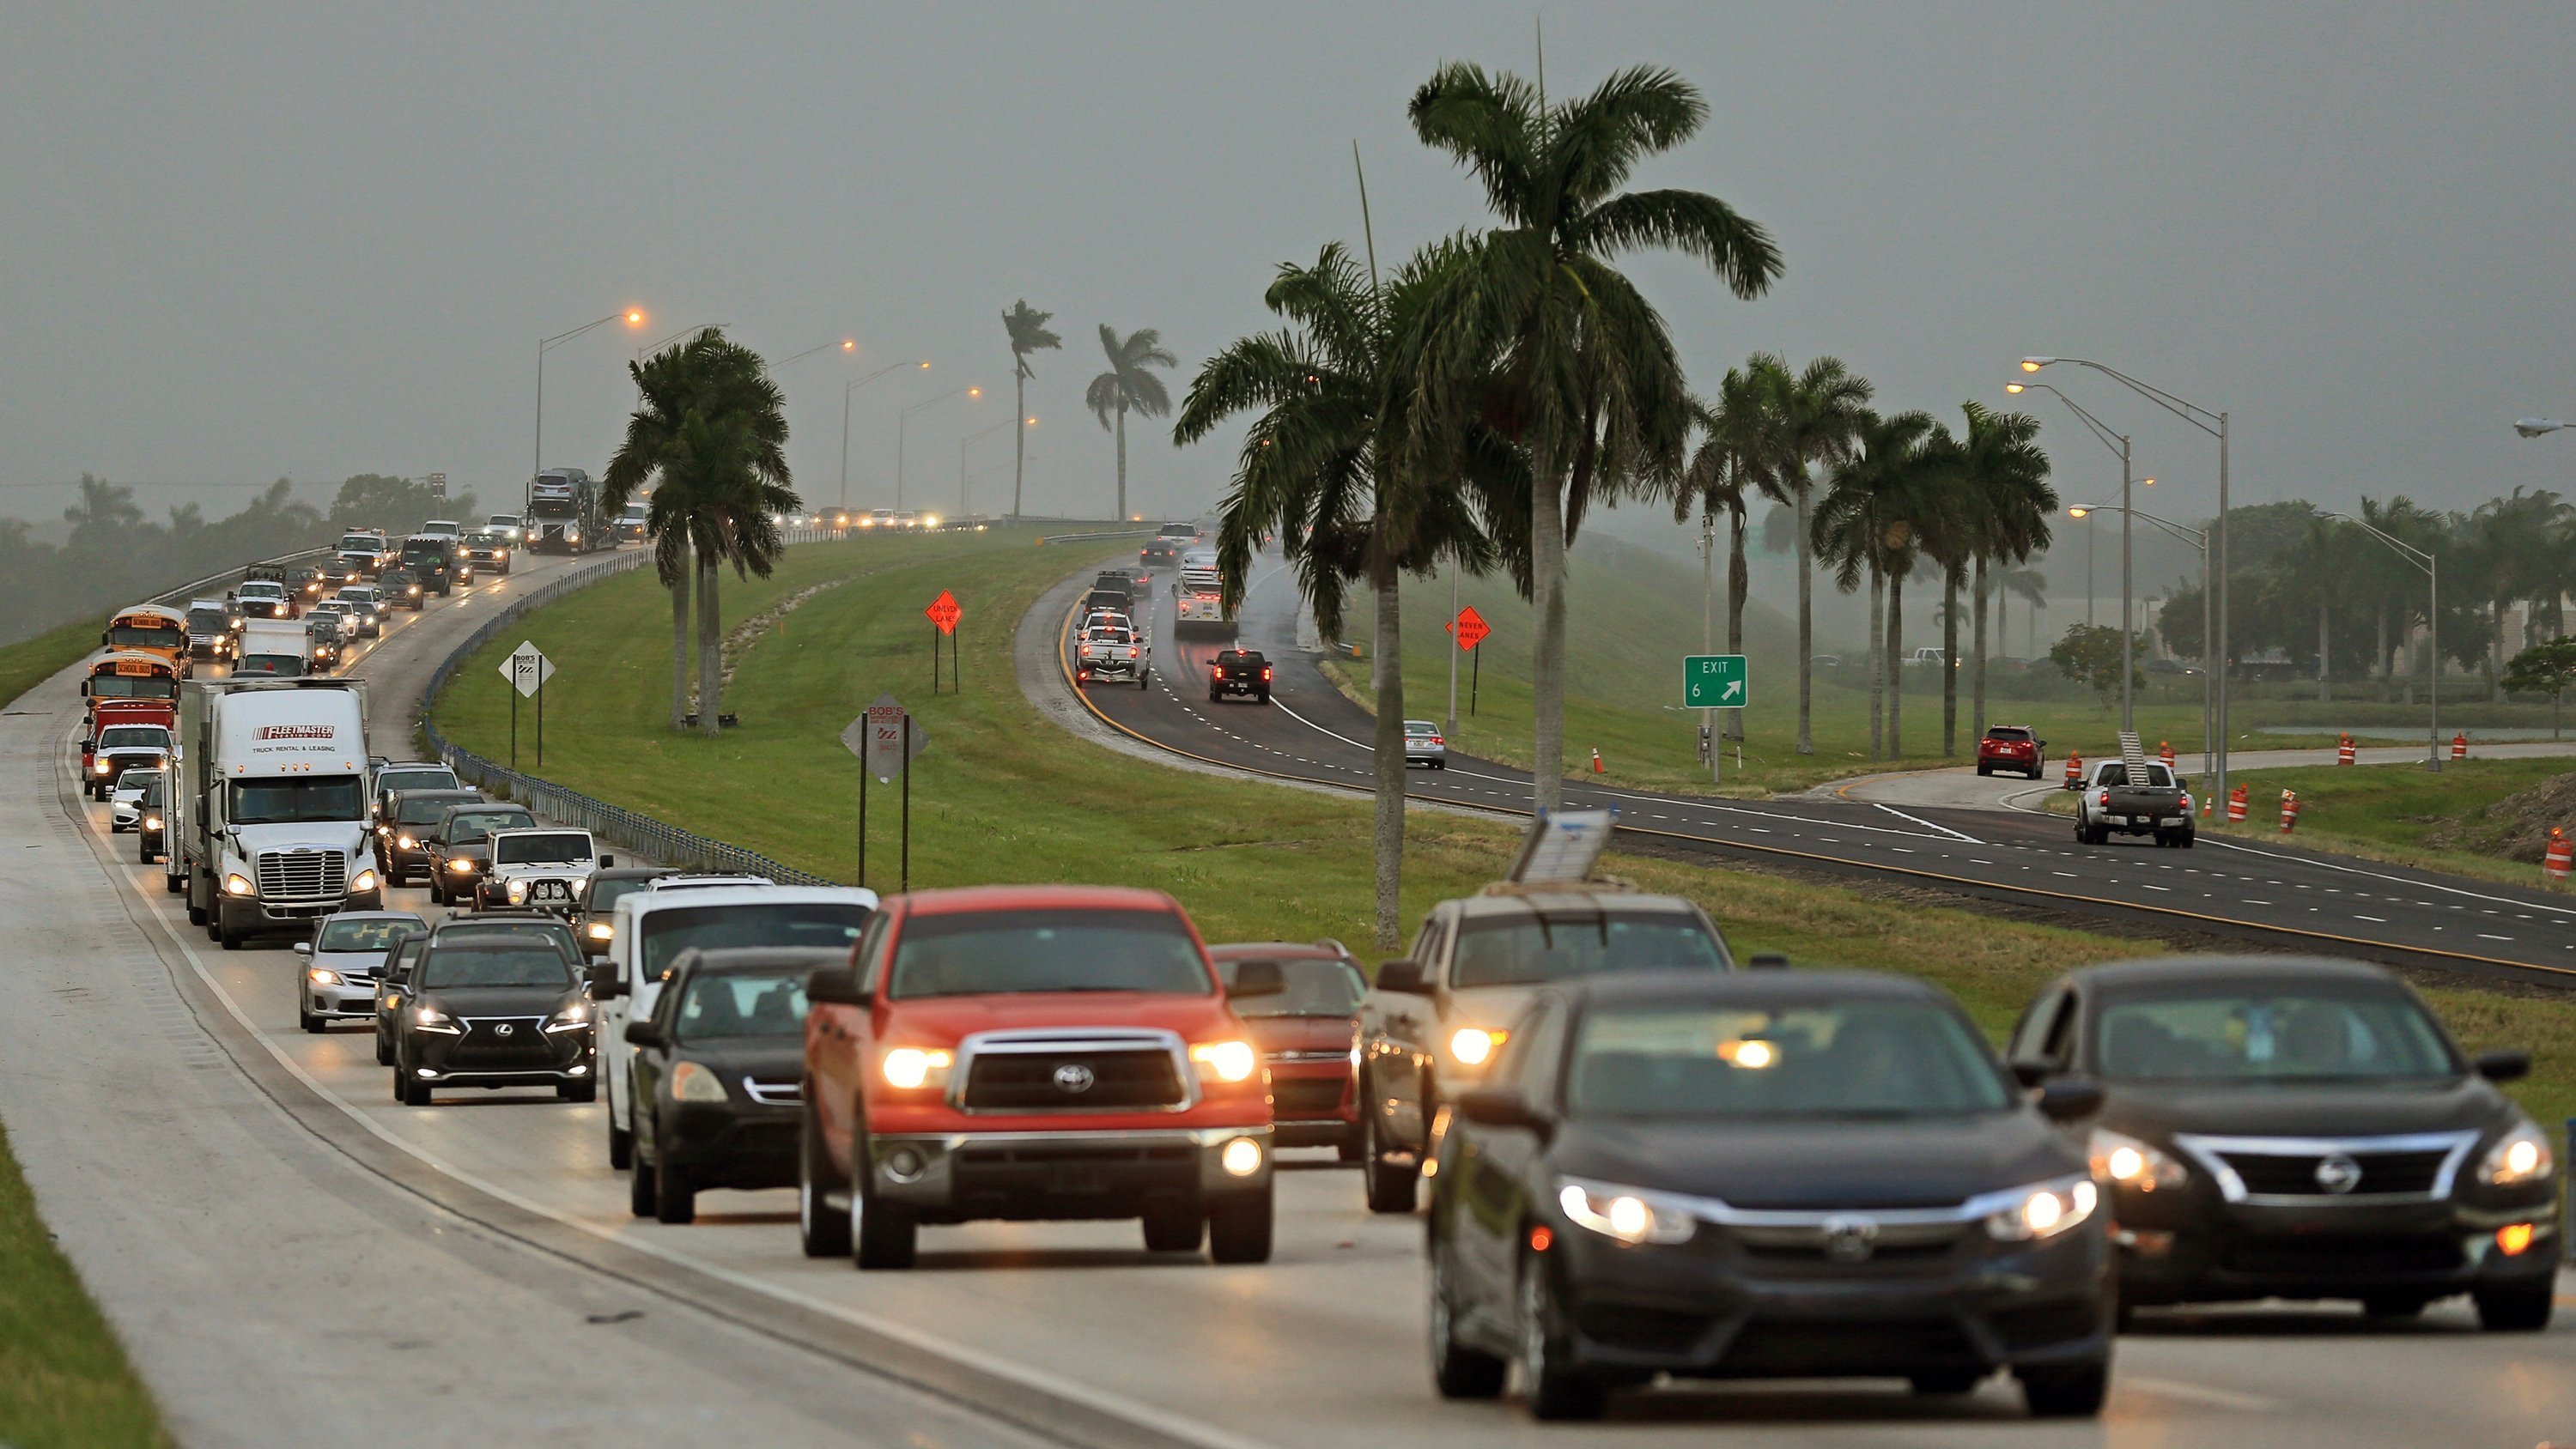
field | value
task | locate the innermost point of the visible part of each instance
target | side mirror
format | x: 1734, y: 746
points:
x: 604, y: 984
x: 643, y: 1033
x: 1768, y: 961
x: 835, y: 986
x: 303, y: 948
x: 1404, y: 975
x: 2043, y: 744
x: 1256, y: 978
x: 1501, y: 1107
x: 2031, y: 1073
x: 608, y: 862
x: 2503, y: 1065
x: 2069, y: 1099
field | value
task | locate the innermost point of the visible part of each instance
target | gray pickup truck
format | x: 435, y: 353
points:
x: 2109, y: 805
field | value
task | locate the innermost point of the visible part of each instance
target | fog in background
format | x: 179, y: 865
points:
x: 323, y: 240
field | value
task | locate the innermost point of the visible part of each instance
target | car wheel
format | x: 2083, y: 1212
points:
x: 2514, y: 1310
x: 675, y: 1198
x: 621, y: 1145
x: 1265, y: 696
x: 1214, y: 697
x: 1555, y: 1390
x: 1239, y: 1227
x: 1944, y: 1382
x: 174, y: 884
x: 1170, y: 1229
x: 1458, y: 1371
x: 196, y: 914
x: 881, y: 1236
x: 1350, y: 1148
x: 822, y: 1232
x: 1983, y: 772
x: 304, y: 1016
x: 2065, y: 1391
x: 1389, y: 1188
x: 416, y: 1093
x: 384, y: 1051
x: 583, y: 1091
x: 2188, y: 837
x: 642, y: 1196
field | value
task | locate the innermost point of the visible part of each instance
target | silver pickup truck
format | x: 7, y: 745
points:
x: 1112, y: 651
x: 2109, y: 805
x: 1436, y: 1018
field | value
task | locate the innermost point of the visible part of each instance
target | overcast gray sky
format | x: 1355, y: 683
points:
x: 258, y: 239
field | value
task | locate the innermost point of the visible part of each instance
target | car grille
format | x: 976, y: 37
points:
x: 501, y: 1043
x: 2337, y: 1253
x: 289, y: 876
x: 1304, y: 1096
x: 1636, y: 1328
x: 2288, y: 1175
x: 1120, y: 1077
x: 774, y: 1094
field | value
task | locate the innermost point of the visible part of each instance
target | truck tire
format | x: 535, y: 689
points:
x: 643, y: 1197
x: 1458, y: 1371
x: 822, y: 1232
x: 231, y: 939
x: 881, y: 1235
x: 583, y: 1091
x: 176, y: 885
x: 1170, y: 1229
x: 1556, y: 1390
x: 1239, y: 1227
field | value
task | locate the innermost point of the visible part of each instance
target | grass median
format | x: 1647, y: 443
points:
x: 64, y: 1379
x: 31, y: 662
x: 1003, y: 796
x: 2403, y: 814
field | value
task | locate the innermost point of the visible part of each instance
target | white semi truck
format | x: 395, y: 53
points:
x: 268, y: 805
x: 273, y: 649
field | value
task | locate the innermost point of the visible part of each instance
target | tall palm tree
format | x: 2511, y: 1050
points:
x: 1028, y: 333
x: 709, y: 436
x: 1866, y: 527
x: 2031, y: 587
x: 1542, y: 336
x: 1815, y: 413
x: 1727, y: 472
x: 2002, y: 482
x: 1128, y: 386
x: 1329, y: 467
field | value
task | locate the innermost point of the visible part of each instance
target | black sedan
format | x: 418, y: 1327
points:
x: 458, y: 849
x: 411, y: 816
x: 1773, y: 1175
x: 2281, y: 1128
x: 594, y: 909
x: 717, y: 1075
x: 493, y: 1011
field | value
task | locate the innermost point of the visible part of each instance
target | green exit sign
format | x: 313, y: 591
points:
x: 1715, y: 681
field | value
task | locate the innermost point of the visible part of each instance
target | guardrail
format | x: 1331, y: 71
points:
x: 1083, y: 537
x: 180, y: 596
x: 656, y: 840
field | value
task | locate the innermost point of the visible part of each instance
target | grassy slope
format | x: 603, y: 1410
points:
x: 64, y: 1379
x: 1001, y: 796
x: 2388, y: 812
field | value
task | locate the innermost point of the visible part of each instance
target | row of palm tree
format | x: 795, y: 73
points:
x: 1128, y: 385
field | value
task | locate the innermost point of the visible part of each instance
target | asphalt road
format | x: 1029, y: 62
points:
x: 1962, y: 788
x: 2281, y: 895
x: 506, y: 1294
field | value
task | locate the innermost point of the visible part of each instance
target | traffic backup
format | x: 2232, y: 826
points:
x: 269, y: 821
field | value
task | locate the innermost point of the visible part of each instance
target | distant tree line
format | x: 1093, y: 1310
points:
x: 115, y: 555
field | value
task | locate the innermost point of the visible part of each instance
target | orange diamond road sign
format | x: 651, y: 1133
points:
x: 1471, y: 628
x: 943, y: 611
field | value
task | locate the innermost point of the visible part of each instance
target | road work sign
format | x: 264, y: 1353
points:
x: 943, y: 611
x: 881, y: 740
x: 1470, y: 627
x: 527, y: 669
x: 1715, y: 681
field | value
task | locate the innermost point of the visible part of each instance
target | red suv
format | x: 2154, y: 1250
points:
x: 2012, y: 747
x: 1028, y: 1052
x: 1308, y: 1029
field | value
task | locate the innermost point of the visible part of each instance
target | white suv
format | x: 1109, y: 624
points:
x: 543, y: 868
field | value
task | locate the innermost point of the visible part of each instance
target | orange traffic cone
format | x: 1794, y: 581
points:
x: 2205, y: 802
x: 2289, y: 811
x: 1596, y: 762
x: 2560, y: 857
x: 2236, y: 806
x: 2344, y: 751
x: 2074, y: 770
x: 2460, y: 745
x: 2164, y: 752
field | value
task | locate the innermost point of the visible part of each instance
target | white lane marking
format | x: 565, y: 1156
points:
x: 2483, y: 936
x: 2375, y: 920
x: 2200, y: 1394
x: 2249, y: 900
x: 2424, y: 885
x: 1928, y: 825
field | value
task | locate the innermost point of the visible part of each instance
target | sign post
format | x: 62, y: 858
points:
x: 1713, y: 682
x: 885, y: 739
x: 1470, y: 629
x: 527, y: 669
x: 943, y: 614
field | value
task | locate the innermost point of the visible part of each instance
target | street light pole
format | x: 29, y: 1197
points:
x: 2432, y: 568
x: 2117, y: 443
x: 2199, y: 540
x: 848, y: 389
x: 632, y: 316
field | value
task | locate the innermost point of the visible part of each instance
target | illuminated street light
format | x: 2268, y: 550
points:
x: 632, y: 317
x: 2199, y: 540
x: 2534, y: 427
x: 2117, y: 443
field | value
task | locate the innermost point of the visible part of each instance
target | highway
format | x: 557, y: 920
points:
x: 297, y: 1259
x: 2278, y: 894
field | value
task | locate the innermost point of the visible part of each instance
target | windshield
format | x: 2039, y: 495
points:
x: 390, y: 780
x: 503, y: 520
x: 744, y: 1004
x: 606, y: 893
x: 374, y: 935
x: 553, y: 932
x: 1868, y: 1058
x: 2009, y: 736
x: 361, y: 542
x: 208, y: 621
x: 494, y: 963
x: 148, y: 736
x: 2265, y: 1036
x: 132, y: 686
x: 554, y: 508
x: 304, y: 798
x: 473, y: 825
x: 424, y: 810
x: 556, y: 847
x: 137, y: 782
x: 1314, y: 987
x: 356, y: 595
x: 154, y: 636
x: 976, y: 953
x: 424, y: 553
x: 828, y: 925
x: 278, y: 666
x: 1518, y: 950
x: 152, y: 789
x: 261, y: 590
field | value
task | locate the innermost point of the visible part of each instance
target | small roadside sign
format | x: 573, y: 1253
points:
x: 878, y: 737
x: 1470, y: 627
x: 943, y: 611
x: 1715, y: 681
x: 1560, y: 849
x: 527, y: 669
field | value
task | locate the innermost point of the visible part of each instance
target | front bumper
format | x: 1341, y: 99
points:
x: 1707, y: 1309
x: 1314, y: 1103
x: 244, y: 914
x: 959, y: 1176
x: 354, y: 996
x: 730, y: 1144
x: 2188, y: 1247
x: 482, y: 1057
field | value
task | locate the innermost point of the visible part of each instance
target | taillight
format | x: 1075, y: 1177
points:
x: 2106, y: 798
x: 1265, y: 671
x: 1131, y: 653
x: 1435, y: 739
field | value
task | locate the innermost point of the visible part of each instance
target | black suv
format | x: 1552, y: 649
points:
x: 459, y: 846
x: 493, y: 1011
x: 1239, y: 671
x: 402, y: 588
x: 431, y: 560
x: 411, y: 817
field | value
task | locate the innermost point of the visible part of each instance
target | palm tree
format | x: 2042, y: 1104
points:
x: 1028, y: 332
x: 2031, y: 587
x: 1127, y: 385
x: 2002, y: 478
x: 1541, y: 336
x: 709, y: 437
x: 1329, y: 467
x: 1814, y: 416
x: 1725, y: 475
x: 1866, y: 526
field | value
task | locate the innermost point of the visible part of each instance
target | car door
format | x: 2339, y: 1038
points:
x: 393, y: 985
x: 1410, y: 1023
x: 619, y: 1008
x: 645, y: 1066
x: 838, y: 1039
x: 1501, y: 1168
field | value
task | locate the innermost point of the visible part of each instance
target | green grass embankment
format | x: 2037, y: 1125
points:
x: 30, y: 662
x: 1003, y: 796
x: 2404, y: 814
x: 64, y: 1380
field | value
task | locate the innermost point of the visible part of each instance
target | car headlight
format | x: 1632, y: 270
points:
x: 601, y: 930
x: 320, y: 977
x: 572, y: 1018
x: 461, y: 865
x: 365, y: 882
x: 691, y: 1082
x: 151, y: 822
x: 2042, y: 1210
x: 407, y: 842
x: 415, y: 588
x: 1625, y: 1213
x: 1473, y: 1046
x: 99, y: 768
x: 2127, y: 1162
x: 2519, y: 1156
x: 517, y: 891
x: 912, y: 1068
x: 237, y: 884
x: 1225, y: 1061
x: 430, y: 1018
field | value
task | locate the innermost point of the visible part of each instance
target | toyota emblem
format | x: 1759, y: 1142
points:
x: 2338, y: 1174
x: 1074, y: 1077
x: 504, y: 1029
x: 1850, y: 1239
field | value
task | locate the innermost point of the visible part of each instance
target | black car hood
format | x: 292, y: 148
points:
x: 2337, y: 1109
x: 769, y: 1058
x: 499, y: 1000
x: 1822, y: 1162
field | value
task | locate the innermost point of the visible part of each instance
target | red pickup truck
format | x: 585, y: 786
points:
x: 1032, y: 1052
x: 2012, y: 747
